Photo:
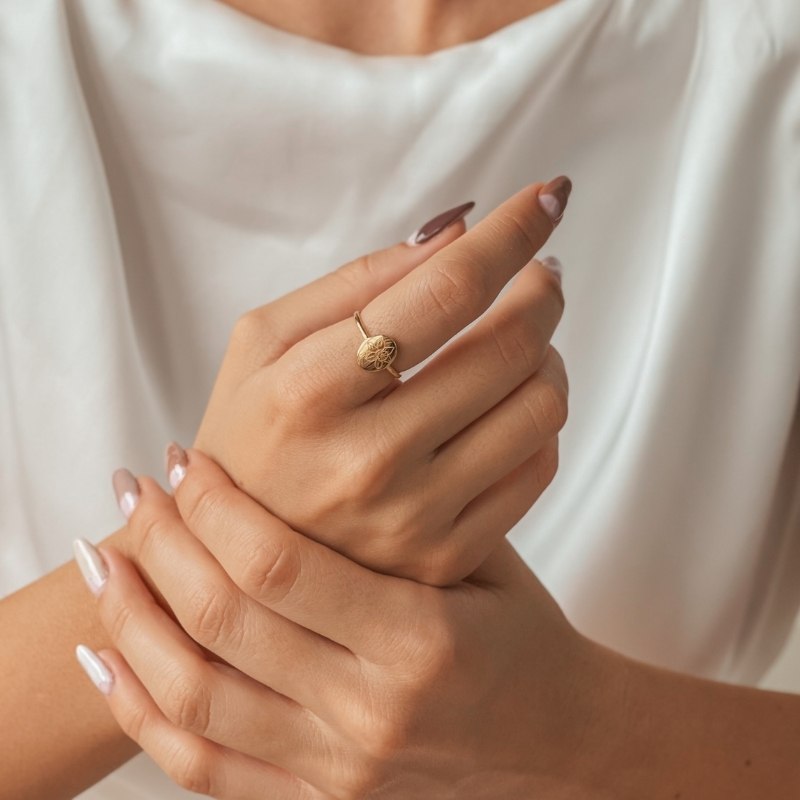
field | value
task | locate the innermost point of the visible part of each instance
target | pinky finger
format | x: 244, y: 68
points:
x: 193, y: 762
x: 494, y: 512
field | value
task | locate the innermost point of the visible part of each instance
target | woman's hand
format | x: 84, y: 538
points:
x: 380, y: 686
x: 419, y: 479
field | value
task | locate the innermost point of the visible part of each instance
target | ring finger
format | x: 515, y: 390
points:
x: 506, y: 436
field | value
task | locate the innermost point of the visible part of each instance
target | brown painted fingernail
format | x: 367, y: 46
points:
x: 126, y: 488
x: 439, y: 223
x: 553, y: 197
x: 176, y: 463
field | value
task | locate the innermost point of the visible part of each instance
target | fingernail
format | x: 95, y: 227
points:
x: 91, y: 564
x: 553, y: 197
x: 99, y: 674
x: 439, y: 223
x: 554, y: 265
x: 126, y: 488
x: 176, y: 463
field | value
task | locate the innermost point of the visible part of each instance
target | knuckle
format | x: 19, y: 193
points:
x: 527, y: 233
x: 202, y: 504
x: 451, y: 565
x: 439, y: 647
x: 516, y: 344
x: 272, y: 571
x: 211, y: 617
x: 247, y: 327
x: 190, y: 766
x: 255, y: 340
x: 371, y: 470
x: 437, y: 561
x: 455, y: 290
x: 134, y: 720
x: 521, y: 230
x: 359, y: 779
x: 300, y: 382
x: 355, y: 272
x: 117, y: 619
x: 187, y: 701
x: 547, y: 462
x: 379, y: 733
x: 148, y: 528
x: 553, y: 402
x: 254, y: 331
x: 389, y: 736
x: 432, y: 645
x: 546, y: 403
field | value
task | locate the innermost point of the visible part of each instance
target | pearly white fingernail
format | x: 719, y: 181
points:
x: 91, y: 565
x: 99, y: 674
x: 554, y: 265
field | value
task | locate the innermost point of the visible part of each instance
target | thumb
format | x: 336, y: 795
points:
x: 349, y: 288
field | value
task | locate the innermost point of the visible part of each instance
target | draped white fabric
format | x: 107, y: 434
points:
x: 167, y: 164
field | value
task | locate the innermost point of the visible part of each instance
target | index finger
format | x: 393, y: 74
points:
x: 431, y: 304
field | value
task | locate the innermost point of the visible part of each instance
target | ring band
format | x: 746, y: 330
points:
x: 375, y: 353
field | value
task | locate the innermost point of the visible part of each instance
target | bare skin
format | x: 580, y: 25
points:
x: 688, y: 737
x: 55, y: 710
x: 390, y: 27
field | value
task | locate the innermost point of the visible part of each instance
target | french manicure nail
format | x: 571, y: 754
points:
x: 126, y: 488
x: 176, y: 463
x: 554, y: 265
x: 91, y: 565
x: 553, y: 197
x: 100, y: 675
x: 439, y: 223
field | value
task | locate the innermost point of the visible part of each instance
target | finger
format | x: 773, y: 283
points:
x: 477, y: 370
x: 431, y: 304
x: 269, y: 330
x: 193, y: 762
x: 493, y: 513
x: 505, y: 436
x: 297, y: 577
x: 201, y: 697
x: 217, y: 615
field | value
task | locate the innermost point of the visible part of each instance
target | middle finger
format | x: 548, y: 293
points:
x: 427, y: 307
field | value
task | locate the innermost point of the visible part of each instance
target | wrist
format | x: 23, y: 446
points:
x: 605, y: 748
x: 657, y: 732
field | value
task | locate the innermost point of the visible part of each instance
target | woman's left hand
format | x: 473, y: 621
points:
x: 339, y: 682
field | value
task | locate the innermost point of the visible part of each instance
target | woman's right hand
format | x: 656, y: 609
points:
x: 419, y: 478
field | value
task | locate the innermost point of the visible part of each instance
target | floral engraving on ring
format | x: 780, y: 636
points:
x: 376, y: 353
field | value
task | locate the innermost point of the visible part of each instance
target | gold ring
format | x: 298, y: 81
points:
x: 375, y: 352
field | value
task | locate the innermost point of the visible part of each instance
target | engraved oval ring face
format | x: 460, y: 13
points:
x: 376, y: 353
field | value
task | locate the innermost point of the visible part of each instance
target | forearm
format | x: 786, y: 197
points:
x: 57, y: 733
x: 685, y: 737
